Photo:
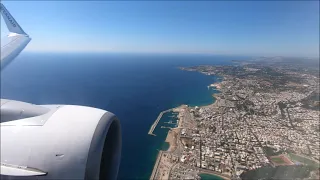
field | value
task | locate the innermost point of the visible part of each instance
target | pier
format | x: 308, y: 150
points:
x: 170, y: 122
x: 154, y: 125
x: 165, y: 127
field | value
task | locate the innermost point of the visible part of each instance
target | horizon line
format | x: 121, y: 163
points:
x: 172, y: 53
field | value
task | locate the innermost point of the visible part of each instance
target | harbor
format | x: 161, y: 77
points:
x: 169, y: 122
x: 154, y: 125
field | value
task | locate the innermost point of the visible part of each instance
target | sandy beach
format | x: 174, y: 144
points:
x: 172, y: 139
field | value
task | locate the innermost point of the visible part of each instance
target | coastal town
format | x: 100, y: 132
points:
x: 266, y: 117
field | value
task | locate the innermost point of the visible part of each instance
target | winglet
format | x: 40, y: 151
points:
x: 18, y: 39
x: 12, y: 24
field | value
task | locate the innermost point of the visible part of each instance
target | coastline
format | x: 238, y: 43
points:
x: 243, y: 118
x: 125, y: 101
x: 154, y: 171
x: 163, y: 166
x: 216, y: 85
x: 165, y: 161
x: 171, y: 139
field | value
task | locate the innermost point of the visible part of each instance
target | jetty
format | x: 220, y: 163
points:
x: 154, y: 125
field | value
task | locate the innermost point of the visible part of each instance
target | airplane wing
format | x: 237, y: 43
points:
x: 15, y: 42
x: 54, y: 141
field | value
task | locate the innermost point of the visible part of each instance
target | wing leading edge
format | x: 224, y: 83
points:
x: 16, y: 41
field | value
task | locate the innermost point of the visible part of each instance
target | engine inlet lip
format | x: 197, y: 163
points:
x: 93, y: 165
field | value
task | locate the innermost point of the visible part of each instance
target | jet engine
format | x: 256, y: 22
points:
x: 58, y: 142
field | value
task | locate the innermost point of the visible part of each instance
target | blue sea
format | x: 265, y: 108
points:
x: 136, y: 87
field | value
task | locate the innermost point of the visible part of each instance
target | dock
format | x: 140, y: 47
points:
x: 170, y: 122
x: 165, y: 127
x: 154, y: 125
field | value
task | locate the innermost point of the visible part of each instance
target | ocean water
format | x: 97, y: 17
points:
x: 136, y: 87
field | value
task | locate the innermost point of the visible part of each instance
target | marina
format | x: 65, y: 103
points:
x: 154, y: 125
x: 165, y: 127
x: 169, y: 122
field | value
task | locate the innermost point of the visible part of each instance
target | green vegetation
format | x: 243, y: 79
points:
x: 277, y: 160
x: 303, y: 160
x: 279, y: 172
x: 209, y: 177
x: 283, y: 172
x: 271, y: 151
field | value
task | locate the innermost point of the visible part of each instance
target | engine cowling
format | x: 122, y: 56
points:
x: 58, y: 142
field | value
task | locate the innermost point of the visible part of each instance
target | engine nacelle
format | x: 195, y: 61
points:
x: 58, y: 142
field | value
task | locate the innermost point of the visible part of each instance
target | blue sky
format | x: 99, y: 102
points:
x: 289, y: 28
